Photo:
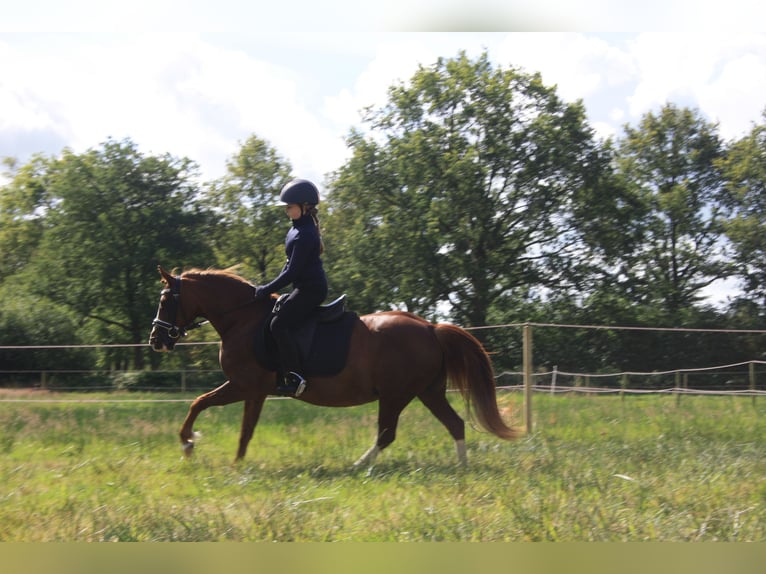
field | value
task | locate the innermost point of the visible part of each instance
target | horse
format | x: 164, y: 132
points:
x: 393, y: 358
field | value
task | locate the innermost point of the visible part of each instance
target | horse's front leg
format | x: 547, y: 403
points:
x: 227, y: 393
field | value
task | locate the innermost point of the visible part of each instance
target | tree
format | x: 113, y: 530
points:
x: 249, y: 223
x: 745, y: 171
x: 669, y: 163
x: 110, y: 216
x: 21, y: 214
x: 462, y: 191
x: 27, y: 320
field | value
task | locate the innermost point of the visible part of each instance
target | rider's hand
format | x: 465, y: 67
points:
x: 261, y: 293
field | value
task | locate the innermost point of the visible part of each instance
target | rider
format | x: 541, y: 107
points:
x: 303, y: 246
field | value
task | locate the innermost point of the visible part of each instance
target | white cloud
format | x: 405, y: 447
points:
x: 392, y: 62
x: 722, y: 75
x: 199, y: 96
x: 671, y: 67
x: 729, y: 97
x: 21, y: 107
x: 173, y: 94
x: 577, y: 64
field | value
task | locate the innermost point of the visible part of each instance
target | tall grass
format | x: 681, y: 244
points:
x: 596, y: 468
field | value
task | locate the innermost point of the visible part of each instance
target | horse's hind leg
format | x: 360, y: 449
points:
x: 435, y: 399
x: 388, y: 419
x: 229, y: 392
x: 250, y: 418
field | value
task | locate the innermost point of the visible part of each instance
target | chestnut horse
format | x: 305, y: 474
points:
x: 393, y: 357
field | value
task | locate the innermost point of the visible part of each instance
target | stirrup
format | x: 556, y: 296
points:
x: 292, y: 384
x: 298, y: 381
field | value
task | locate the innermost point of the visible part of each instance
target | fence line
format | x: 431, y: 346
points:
x: 101, y: 345
x: 498, y: 326
x: 556, y: 372
x: 104, y: 371
x: 550, y: 389
x: 542, y: 389
x: 620, y: 328
x: 528, y: 374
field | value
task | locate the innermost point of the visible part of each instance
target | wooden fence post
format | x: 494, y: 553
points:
x: 554, y: 376
x: 527, y: 352
x: 751, y: 368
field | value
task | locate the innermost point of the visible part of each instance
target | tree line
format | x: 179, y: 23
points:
x: 475, y: 194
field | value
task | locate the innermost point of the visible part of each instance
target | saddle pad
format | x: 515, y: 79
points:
x: 328, y: 350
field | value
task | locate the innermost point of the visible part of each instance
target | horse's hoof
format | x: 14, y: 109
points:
x: 187, y: 448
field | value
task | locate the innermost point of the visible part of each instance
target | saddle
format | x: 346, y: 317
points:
x: 323, y: 338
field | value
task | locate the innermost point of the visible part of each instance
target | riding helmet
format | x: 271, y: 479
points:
x: 299, y: 191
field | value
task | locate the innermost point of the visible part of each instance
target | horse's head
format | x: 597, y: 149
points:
x: 220, y: 296
x: 172, y: 319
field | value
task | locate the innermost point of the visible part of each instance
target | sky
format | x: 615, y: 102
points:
x: 189, y: 80
x: 196, y: 78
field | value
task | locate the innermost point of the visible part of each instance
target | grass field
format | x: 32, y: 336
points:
x: 595, y: 469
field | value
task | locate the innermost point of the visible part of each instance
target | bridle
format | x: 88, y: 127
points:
x: 174, y: 331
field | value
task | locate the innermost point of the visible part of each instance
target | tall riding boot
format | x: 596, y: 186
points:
x: 289, y: 378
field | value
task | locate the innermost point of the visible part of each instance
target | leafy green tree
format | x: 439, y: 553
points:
x: 745, y: 170
x: 249, y: 223
x: 110, y: 215
x: 669, y: 162
x: 652, y: 224
x: 459, y: 198
x: 22, y: 207
x: 27, y: 320
x: 376, y: 249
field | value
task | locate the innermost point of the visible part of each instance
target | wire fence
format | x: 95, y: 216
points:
x: 746, y: 378
x: 738, y: 379
x: 732, y: 379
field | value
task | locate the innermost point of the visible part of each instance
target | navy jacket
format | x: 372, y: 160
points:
x: 304, y: 266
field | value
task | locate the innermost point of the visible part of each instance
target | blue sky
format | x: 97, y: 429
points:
x: 199, y: 94
x: 197, y: 77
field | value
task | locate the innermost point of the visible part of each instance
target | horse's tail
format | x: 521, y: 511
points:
x: 470, y: 371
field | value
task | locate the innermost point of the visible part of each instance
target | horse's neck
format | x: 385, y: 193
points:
x: 227, y: 305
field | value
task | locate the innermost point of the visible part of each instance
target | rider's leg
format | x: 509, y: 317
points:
x: 294, y: 309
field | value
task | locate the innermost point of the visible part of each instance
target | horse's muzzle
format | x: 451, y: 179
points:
x: 157, y: 343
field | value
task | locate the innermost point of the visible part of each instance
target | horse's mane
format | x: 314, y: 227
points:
x: 229, y: 273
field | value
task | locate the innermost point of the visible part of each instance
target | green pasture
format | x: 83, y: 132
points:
x: 90, y: 468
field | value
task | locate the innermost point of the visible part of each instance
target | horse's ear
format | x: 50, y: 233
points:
x: 165, y: 275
